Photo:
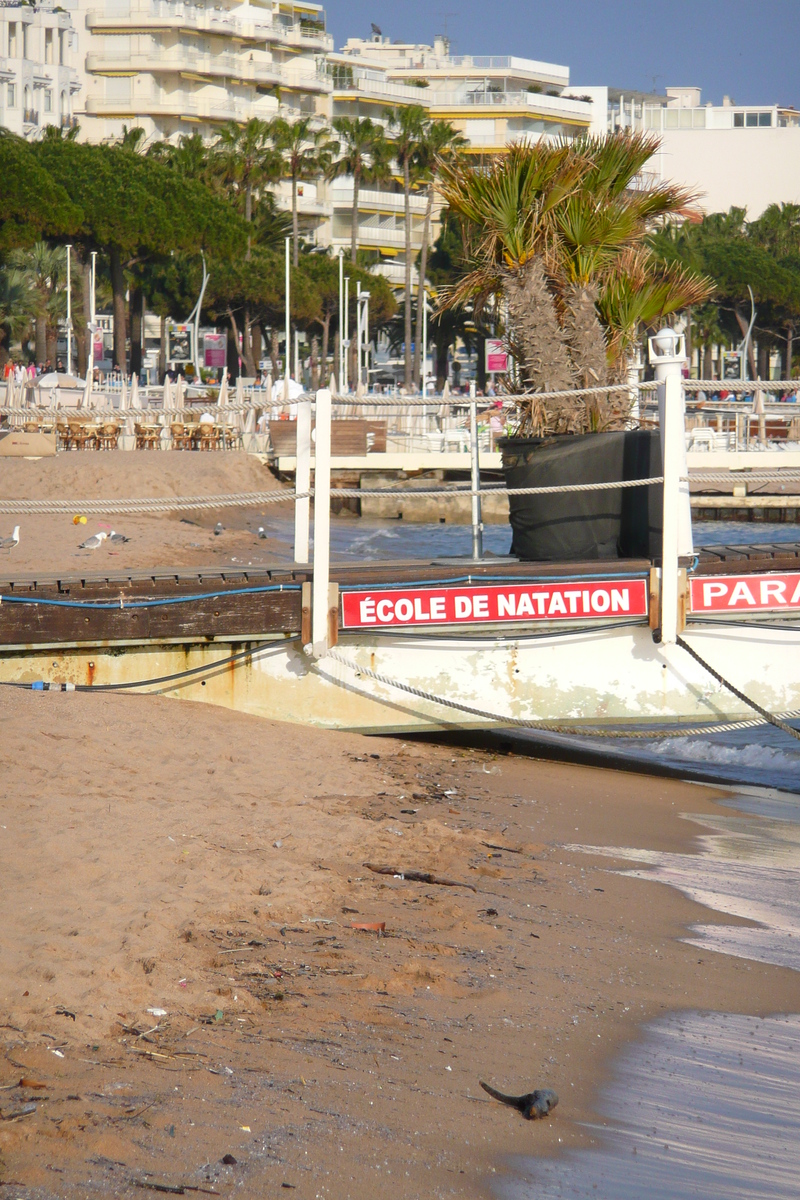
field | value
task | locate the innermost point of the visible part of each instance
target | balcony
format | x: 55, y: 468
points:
x: 358, y: 81
x: 179, y: 106
x: 519, y: 102
x: 69, y: 122
x: 161, y: 15
x: 294, y: 80
x: 7, y: 73
x: 180, y: 60
x: 341, y: 194
x: 30, y: 116
x: 304, y: 36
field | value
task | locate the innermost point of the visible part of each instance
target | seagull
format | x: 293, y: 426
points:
x: 93, y: 542
x: 117, y: 538
x: 262, y: 533
x: 10, y: 543
x: 218, y: 528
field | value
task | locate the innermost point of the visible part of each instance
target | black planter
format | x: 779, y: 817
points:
x: 580, y: 526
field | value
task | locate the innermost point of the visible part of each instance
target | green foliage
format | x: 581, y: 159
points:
x: 32, y: 203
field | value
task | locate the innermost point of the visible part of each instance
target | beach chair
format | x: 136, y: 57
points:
x: 207, y: 437
x: 148, y: 437
x: 108, y: 436
x: 181, y: 436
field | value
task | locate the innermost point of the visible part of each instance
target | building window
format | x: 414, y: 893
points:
x: 751, y: 120
x: 765, y: 119
x: 48, y: 45
x: 48, y: 100
x: 12, y: 39
x: 11, y: 97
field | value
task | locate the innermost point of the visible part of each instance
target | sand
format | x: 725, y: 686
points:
x: 50, y: 544
x: 157, y: 854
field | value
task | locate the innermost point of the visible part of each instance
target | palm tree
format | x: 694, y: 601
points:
x: 442, y: 143
x: 411, y: 124
x: 365, y: 156
x: 307, y: 153
x: 42, y: 267
x: 16, y: 305
x: 559, y: 232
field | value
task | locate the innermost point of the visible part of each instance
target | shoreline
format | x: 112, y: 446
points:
x: 163, y: 854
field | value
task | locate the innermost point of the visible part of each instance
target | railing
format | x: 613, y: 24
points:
x: 30, y: 116
x: 177, y: 59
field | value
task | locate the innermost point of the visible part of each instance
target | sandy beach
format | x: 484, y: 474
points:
x: 189, y: 1004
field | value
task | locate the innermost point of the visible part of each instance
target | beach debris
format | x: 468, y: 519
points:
x: 218, y: 528
x: 262, y: 533
x: 10, y: 542
x: 79, y: 519
x: 24, y: 1082
x: 27, y: 1110
x: 369, y: 926
x: 533, y: 1105
x: 94, y: 542
x: 507, y: 849
x: 117, y: 539
x: 178, y: 1189
x: 229, y: 1160
x: 418, y: 876
x: 157, y: 1012
x: 64, y: 1012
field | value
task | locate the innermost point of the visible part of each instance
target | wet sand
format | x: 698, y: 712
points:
x: 162, y: 855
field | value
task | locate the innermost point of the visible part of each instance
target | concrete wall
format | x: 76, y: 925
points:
x: 749, y: 168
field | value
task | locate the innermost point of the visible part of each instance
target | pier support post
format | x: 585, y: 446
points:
x: 667, y: 355
x: 322, y: 525
x: 302, y: 481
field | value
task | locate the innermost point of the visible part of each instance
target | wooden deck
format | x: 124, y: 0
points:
x: 252, y: 603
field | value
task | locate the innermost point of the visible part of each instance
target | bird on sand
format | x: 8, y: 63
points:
x: 262, y: 533
x: 94, y: 541
x: 117, y: 539
x: 532, y: 1106
x: 10, y: 542
x: 218, y: 528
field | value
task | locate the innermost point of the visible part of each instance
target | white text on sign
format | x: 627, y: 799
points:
x: 748, y: 593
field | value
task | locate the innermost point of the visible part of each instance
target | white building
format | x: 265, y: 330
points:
x: 171, y: 67
x: 38, y: 82
x: 729, y: 154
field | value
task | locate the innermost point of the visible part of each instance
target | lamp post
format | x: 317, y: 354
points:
x: 346, y: 339
x: 288, y: 354
x: 340, y: 364
x: 92, y: 323
x: 69, y: 309
x: 424, y: 339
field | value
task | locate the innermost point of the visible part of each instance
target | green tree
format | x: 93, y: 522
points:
x: 16, y: 307
x: 44, y: 268
x: 365, y: 155
x: 32, y: 204
x: 307, y: 151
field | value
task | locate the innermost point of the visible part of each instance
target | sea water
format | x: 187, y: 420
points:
x: 704, y: 1104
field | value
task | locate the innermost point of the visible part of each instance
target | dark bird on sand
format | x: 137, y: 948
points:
x: 532, y: 1106
x: 218, y: 528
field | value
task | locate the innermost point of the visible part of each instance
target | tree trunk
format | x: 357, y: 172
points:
x: 535, y: 335
x: 274, y: 352
x: 295, y: 226
x: 234, y: 360
x: 442, y: 348
x: 708, y: 361
x: 480, y: 365
x: 326, y: 335
x: 314, y: 364
x: 247, y: 345
x: 40, y: 328
x: 51, y: 341
x: 354, y: 218
x: 763, y: 360
x: 584, y: 336
x: 248, y: 216
x: 118, y: 288
x: 137, y: 329
x: 423, y: 270
x: 162, y: 348
x: 256, y: 339
x: 407, y: 289
x: 787, y: 366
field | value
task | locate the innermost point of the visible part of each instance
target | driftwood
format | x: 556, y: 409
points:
x: 418, y: 876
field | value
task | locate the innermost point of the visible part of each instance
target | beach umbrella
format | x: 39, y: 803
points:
x: 268, y: 386
x: 360, y: 390
x: 250, y: 421
x: 239, y: 390
x: 136, y: 400
x: 167, y: 394
x: 10, y: 394
x: 332, y: 384
x: 123, y: 397
x: 222, y: 400
x: 85, y: 400
x: 180, y: 399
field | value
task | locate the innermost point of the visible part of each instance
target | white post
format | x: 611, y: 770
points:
x: 92, y: 324
x: 340, y: 366
x: 477, y: 525
x: 424, y: 338
x: 302, y: 481
x: 69, y: 310
x: 297, y: 355
x: 346, y: 340
x: 667, y: 355
x: 287, y: 358
x: 358, y: 333
x: 322, y: 525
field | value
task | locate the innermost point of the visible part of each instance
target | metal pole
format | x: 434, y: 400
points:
x: 287, y: 358
x: 69, y: 310
x: 322, y: 525
x: 424, y: 338
x: 366, y: 339
x: 340, y: 367
x: 92, y: 322
x: 358, y: 333
x: 297, y: 354
x: 477, y: 525
x: 302, y: 481
x: 346, y: 340
x: 667, y: 353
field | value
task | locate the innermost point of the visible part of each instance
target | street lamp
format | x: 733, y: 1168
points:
x: 69, y: 309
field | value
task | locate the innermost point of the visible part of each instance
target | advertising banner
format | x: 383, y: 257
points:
x: 745, y: 593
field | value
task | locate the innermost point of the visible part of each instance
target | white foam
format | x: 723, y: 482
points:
x: 691, y: 750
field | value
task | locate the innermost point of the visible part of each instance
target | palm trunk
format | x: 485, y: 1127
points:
x: 137, y: 329
x: 80, y: 314
x: 326, y: 336
x: 535, y: 335
x: 256, y: 340
x: 407, y: 289
x: 707, y: 360
x: 295, y: 226
x: 787, y: 371
x: 423, y: 269
x: 118, y: 288
x: 233, y: 360
x: 274, y: 352
x: 354, y: 218
x: 247, y: 345
x: 162, y: 348
x: 40, y: 336
x: 584, y: 336
x: 314, y: 364
x: 248, y: 215
x: 441, y: 363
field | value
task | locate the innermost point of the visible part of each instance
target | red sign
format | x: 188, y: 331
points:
x: 496, y: 356
x: 215, y: 349
x: 745, y: 593
x: 526, y: 602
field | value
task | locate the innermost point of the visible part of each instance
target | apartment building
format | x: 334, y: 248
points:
x: 729, y: 154
x: 172, y: 67
x: 38, y: 81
